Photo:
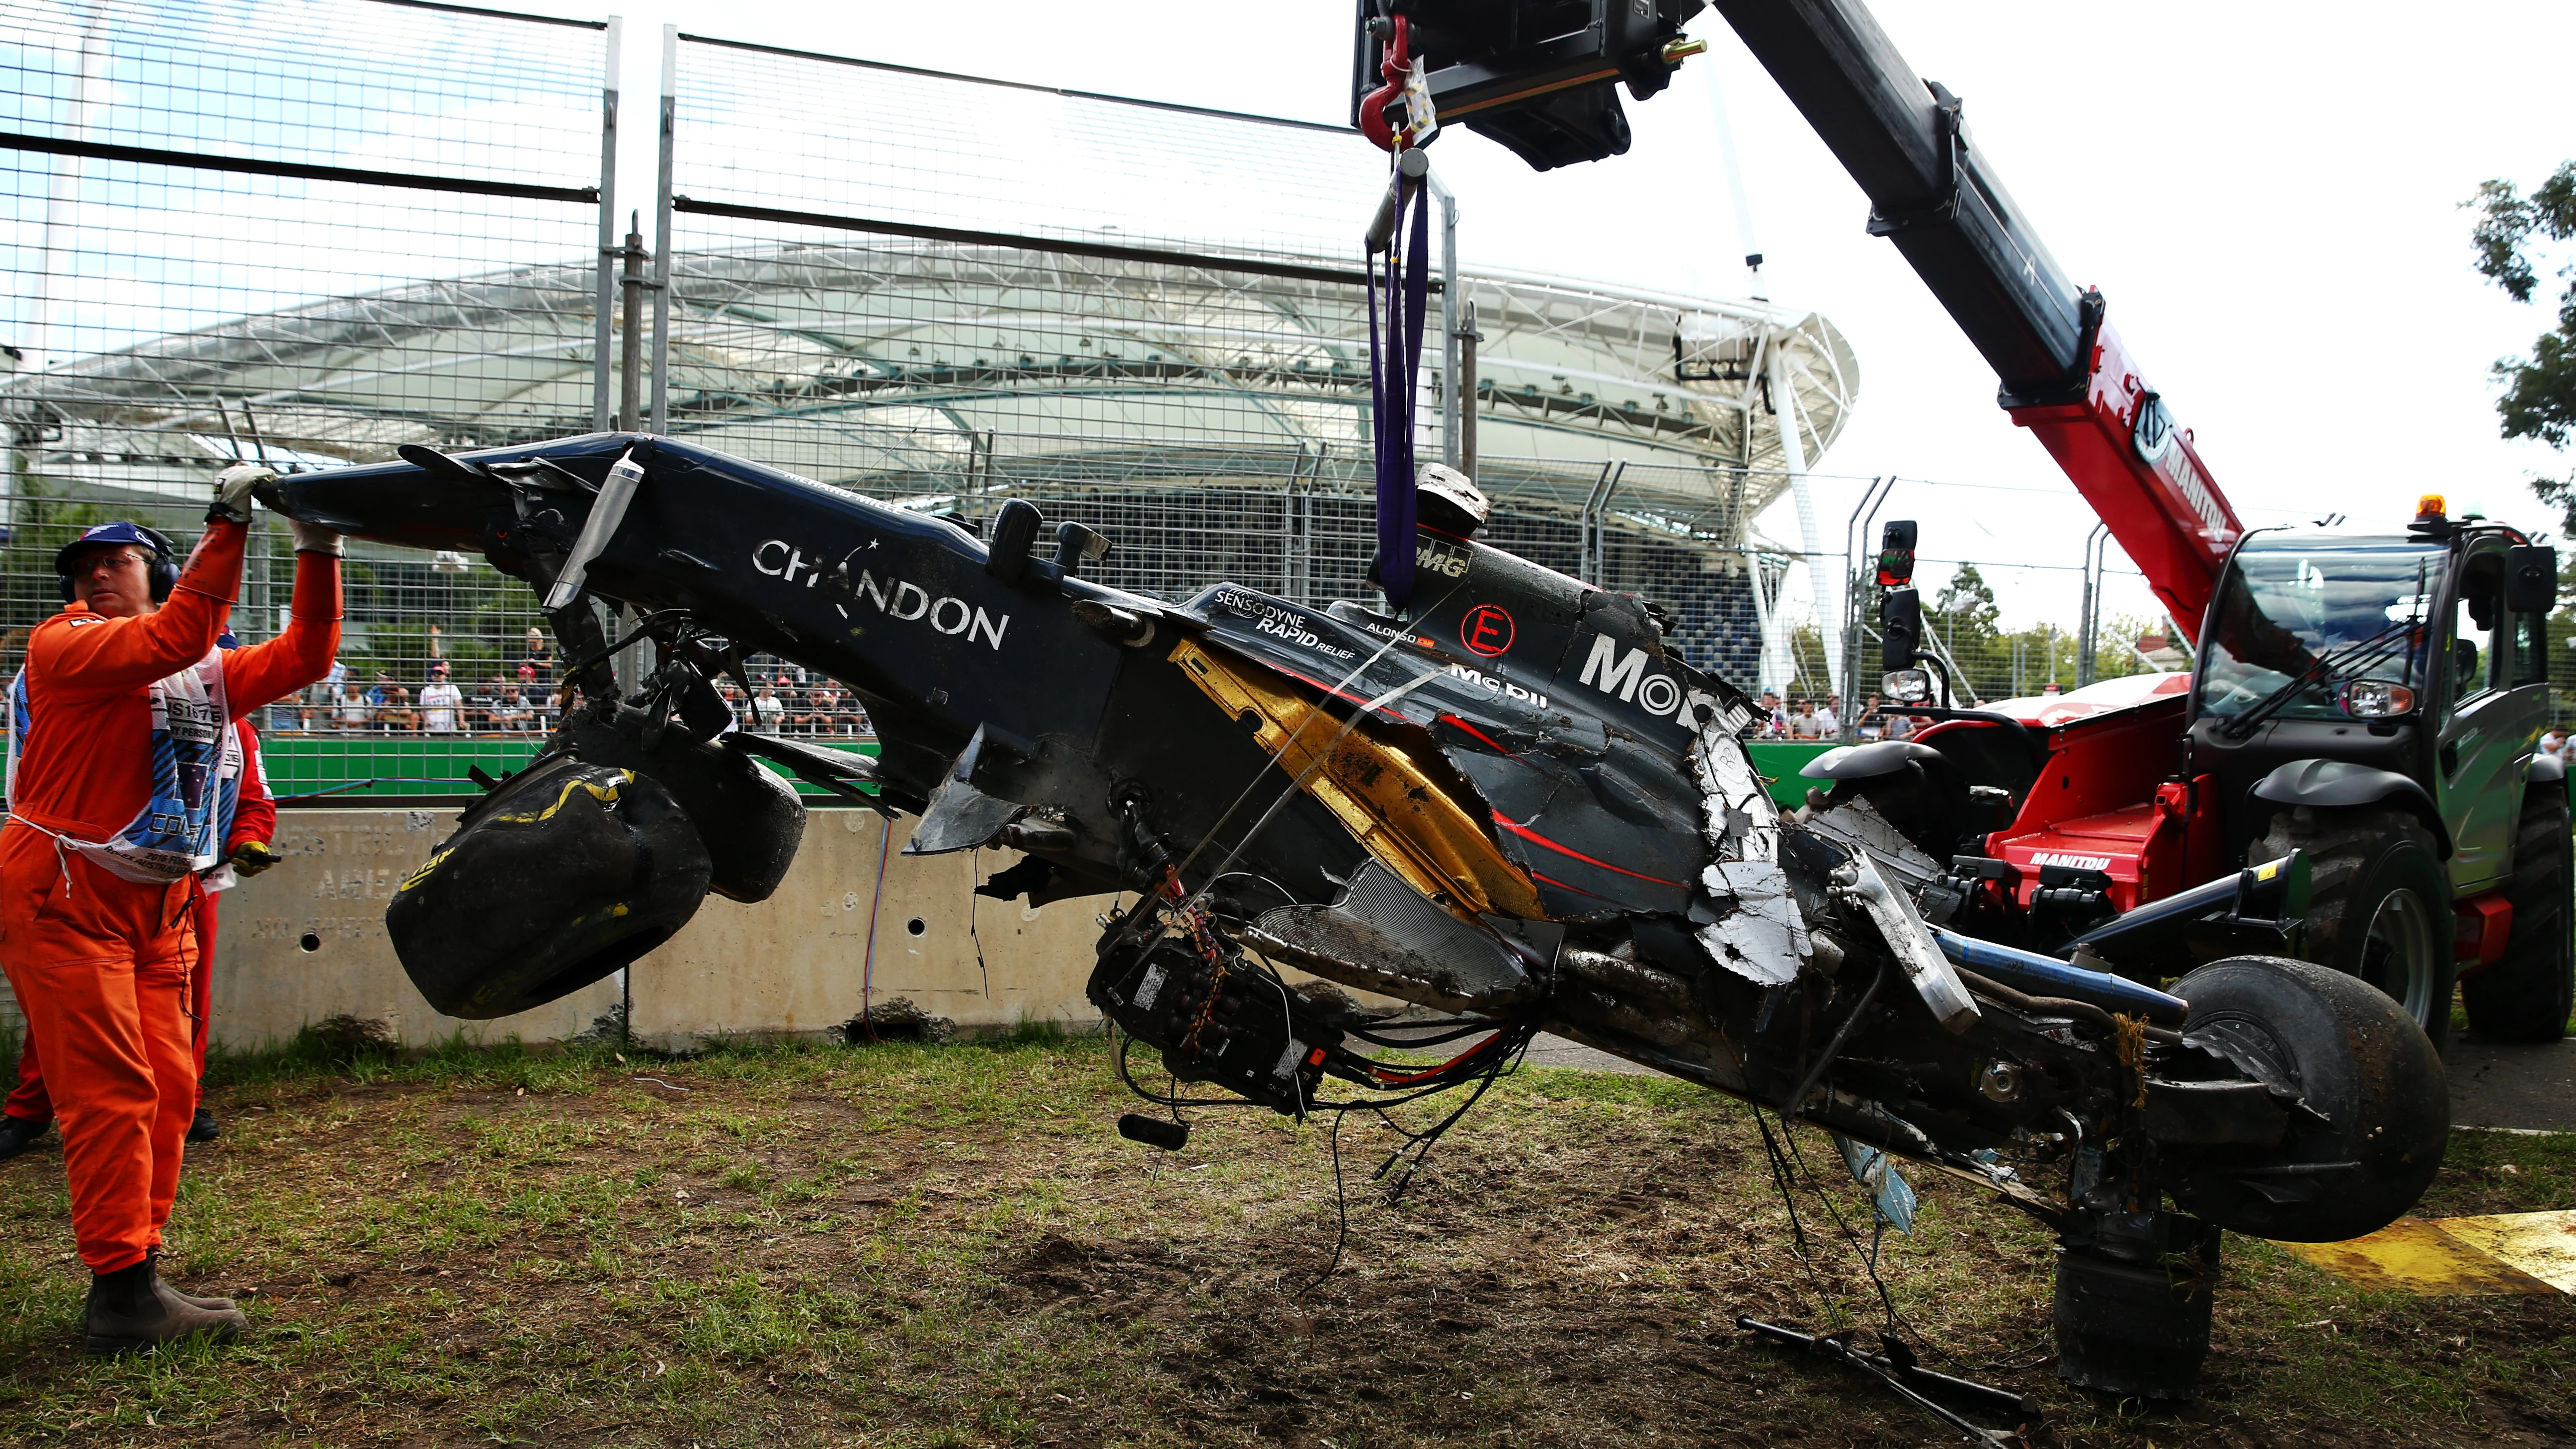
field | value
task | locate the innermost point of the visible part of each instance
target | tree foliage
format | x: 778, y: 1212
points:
x: 2539, y: 398
x: 1967, y: 607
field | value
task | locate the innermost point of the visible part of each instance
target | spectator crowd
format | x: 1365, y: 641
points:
x: 530, y: 701
x: 1820, y: 719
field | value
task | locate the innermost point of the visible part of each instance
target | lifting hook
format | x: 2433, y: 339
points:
x: 1403, y: 78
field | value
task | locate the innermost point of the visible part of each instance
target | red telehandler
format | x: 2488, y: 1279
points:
x: 2369, y: 702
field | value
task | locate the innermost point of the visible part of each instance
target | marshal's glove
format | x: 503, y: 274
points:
x: 232, y: 492
x: 252, y: 856
x: 313, y: 537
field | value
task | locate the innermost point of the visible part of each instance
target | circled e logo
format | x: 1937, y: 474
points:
x: 1486, y: 630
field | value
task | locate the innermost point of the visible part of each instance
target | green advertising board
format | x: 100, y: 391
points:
x: 360, y: 768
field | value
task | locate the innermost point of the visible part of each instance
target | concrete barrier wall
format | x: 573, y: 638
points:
x: 306, y: 941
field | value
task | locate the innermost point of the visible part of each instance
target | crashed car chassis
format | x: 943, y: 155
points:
x: 1509, y: 804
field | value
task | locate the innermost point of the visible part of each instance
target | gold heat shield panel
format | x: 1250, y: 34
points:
x: 1375, y: 787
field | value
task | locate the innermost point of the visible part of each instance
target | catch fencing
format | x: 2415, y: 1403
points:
x: 257, y: 232
x: 309, y: 231
x: 1152, y: 319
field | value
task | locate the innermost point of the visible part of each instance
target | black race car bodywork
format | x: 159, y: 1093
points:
x: 1510, y: 804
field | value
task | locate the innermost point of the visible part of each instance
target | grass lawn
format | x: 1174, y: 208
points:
x: 947, y: 1245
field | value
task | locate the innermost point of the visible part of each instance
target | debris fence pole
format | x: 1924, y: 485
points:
x: 2096, y: 546
x: 607, y: 290
x: 662, y: 234
x: 1292, y: 528
x: 630, y: 381
x: 1449, y: 445
x: 1468, y: 337
x: 1596, y: 510
x: 1860, y: 570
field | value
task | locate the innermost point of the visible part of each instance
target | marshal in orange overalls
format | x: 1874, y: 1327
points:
x: 255, y: 819
x: 101, y: 961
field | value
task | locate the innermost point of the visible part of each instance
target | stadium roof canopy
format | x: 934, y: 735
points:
x: 901, y: 366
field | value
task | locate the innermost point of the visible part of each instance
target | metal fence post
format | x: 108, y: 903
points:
x: 662, y: 235
x: 630, y: 361
x: 607, y: 292
x: 1596, y: 562
x: 1449, y: 445
x: 1292, y: 537
x: 2089, y: 621
x: 1468, y: 337
x: 1855, y: 536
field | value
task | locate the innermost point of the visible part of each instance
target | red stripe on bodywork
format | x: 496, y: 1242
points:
x: 1560, y: 885
x: 1479, y: 734
x: 1525, y: 833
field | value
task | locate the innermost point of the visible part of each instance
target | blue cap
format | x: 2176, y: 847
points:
x: 225, y: 640
x: 110, y: 533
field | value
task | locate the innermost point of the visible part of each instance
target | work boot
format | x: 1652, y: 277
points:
x: 128, y: 1312
x: 203, y: 1129
x: 219, y: 1305
x: 17, y: 1134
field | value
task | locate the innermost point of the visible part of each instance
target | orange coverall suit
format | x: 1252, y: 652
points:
x: 101, y: 964
x: 254, y: 818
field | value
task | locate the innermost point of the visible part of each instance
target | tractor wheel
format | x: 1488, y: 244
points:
x: 2381, y: 905
x: 2526, y: 996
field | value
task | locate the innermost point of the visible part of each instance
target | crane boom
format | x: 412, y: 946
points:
x: 2064, y: 373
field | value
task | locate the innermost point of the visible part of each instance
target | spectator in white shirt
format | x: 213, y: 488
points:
x: 768, y: 712
x: 440, y: 703
x: 351, y: 705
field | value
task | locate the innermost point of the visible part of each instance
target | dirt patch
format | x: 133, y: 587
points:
x: 914, y: 1244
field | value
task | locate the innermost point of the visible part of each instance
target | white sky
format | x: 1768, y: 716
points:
x: 2268, y: 194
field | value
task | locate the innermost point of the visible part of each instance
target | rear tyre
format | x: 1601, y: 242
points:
x: 2380, y: 908
x: 2381, y: 1105
x: 2527, y: 995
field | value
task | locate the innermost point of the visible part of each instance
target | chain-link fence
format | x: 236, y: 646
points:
x: 370, y: 222
x: 311, y: 230
x: 1153, y: 319
x: 255, y: 232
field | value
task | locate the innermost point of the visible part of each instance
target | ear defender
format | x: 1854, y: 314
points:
x: 161, y: 573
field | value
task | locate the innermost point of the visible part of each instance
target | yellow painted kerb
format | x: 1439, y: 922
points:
x: 2503, y: 1254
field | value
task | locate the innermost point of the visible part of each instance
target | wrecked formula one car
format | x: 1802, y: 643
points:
x: 1508, y: 804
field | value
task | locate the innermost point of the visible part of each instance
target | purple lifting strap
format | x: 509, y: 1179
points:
x: 1395, y: 364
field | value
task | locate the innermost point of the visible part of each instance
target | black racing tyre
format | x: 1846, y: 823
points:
x: 2527, y: 995
x: 750, y: 820
x: 2381, y: 1106
x: 563, y: 875
x: 2380, y: 908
